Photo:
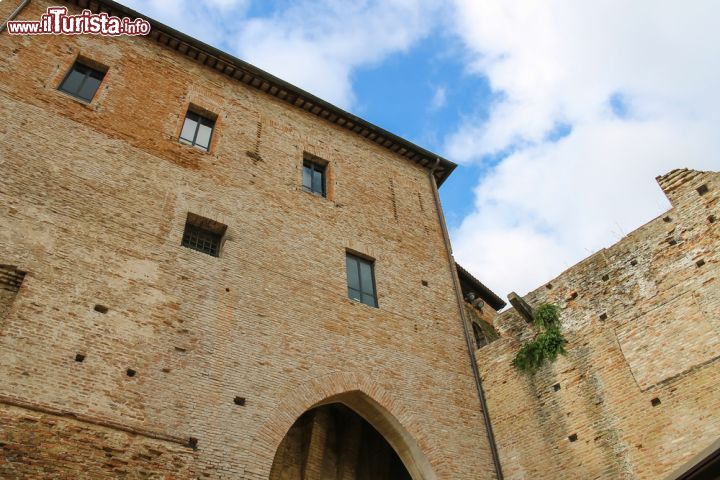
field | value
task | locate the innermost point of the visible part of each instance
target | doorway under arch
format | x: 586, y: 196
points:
x: 349, y: 437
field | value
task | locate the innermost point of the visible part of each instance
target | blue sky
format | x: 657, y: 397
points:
x: 560, y: 113
x: 423, y: 95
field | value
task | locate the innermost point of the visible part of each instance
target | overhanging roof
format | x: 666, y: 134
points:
x: 254, y: 77
x: 470, y: 283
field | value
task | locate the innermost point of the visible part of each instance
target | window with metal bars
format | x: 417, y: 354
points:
x: 361, y: 279
x: 203, y: 234
x: 314, y: 177
x: 82, y: 81
x: 197, y: 130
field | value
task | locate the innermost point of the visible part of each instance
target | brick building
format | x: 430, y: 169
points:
x: 207, y: 272
x: 196, y: 255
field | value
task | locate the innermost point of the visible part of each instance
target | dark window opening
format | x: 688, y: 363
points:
x: 702, y: 189
x: 361, y: 280
x: 480, y: 340
x: 203, y: 234
x: 655, y: 402
x: 314, y: 177
x: 197, y: 130
x: 82, y: 81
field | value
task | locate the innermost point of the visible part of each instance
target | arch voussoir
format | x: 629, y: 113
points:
x: 378, y: 406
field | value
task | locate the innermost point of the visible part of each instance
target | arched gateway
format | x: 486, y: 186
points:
x: 349, y: 437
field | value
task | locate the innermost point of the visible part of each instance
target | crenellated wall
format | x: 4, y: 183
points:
x: 637, y: 394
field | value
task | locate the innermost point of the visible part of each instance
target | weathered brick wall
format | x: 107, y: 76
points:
x: 40, y: 445
x: 93, y: 200
x: 643, y: 322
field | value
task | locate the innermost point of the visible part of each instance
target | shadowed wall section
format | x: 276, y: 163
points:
x: 332, y: 442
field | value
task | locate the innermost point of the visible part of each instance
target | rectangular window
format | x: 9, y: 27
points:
x: 197, y: 130
x: 203, y: 234
x: 361, y: 280
x: 314, y: 177
x: 82, y: 81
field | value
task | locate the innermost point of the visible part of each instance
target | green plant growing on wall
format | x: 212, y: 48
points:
x: 547, y: 345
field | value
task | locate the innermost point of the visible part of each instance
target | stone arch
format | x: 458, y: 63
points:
x: 388, y: 415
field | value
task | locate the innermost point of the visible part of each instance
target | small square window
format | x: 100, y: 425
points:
x: 82, y: 81
x: 203, y: 234
x: 361, y: 280
x: 314, y: 177
x: 197, y: 130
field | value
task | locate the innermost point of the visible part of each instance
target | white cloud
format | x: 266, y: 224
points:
x: 210, y: 21
x: 314, y: 44
x: 550, y: 204
x: 439, y: 98
x: 227, y: 4
x: 317, y: 45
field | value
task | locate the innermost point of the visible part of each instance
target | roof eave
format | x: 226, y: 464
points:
x: 485, y: 293
x: 259, y: 79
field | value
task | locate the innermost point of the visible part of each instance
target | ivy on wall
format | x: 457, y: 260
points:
x: 547, y: 345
